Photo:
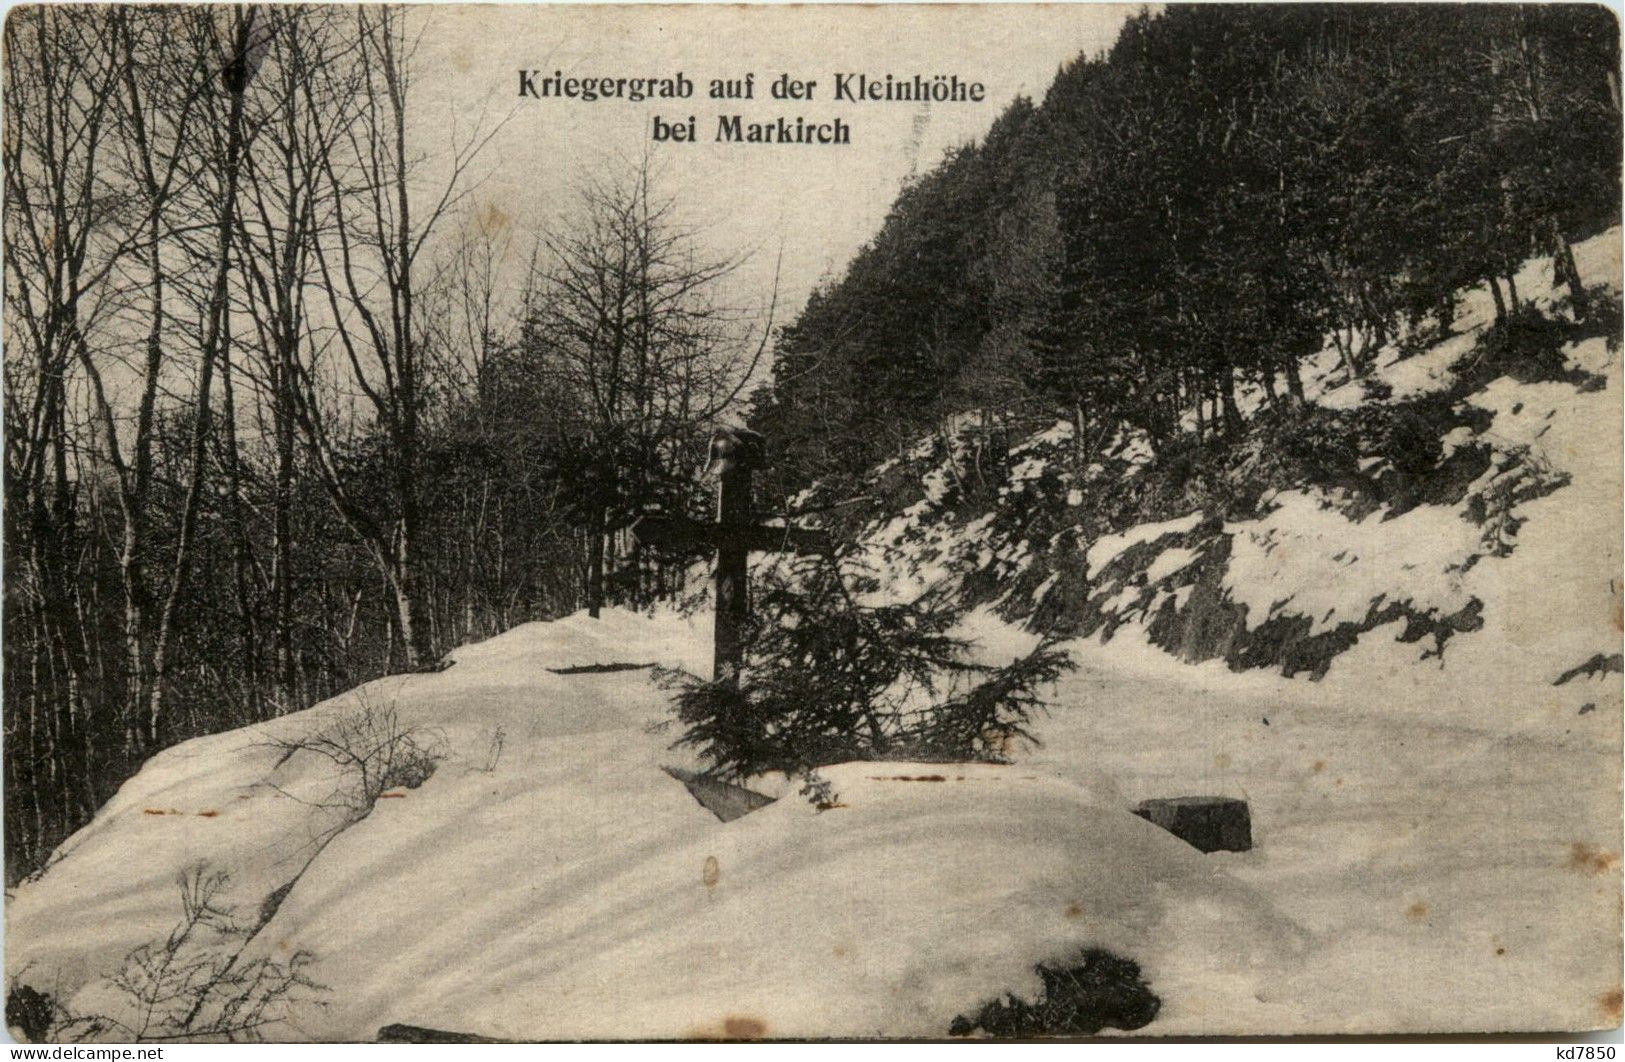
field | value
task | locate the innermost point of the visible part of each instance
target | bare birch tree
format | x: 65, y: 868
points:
x: 369, y: 265
x: 629, y: 318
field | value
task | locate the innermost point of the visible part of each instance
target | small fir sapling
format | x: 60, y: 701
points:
x: 830, y: 678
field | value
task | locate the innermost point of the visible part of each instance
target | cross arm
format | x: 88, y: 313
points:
x: 669, y: 531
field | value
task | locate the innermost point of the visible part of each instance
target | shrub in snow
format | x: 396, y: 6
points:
x: 1378, y: 454
x: 819, y: 791
x: 493, y: 751
x: 829, y: 678
x: 373, y: 753
x: 1598, y: 313
x: 1101, y: 991
x: 1375, y: 389
x: 1527, y: 346
x: 1521, y: 475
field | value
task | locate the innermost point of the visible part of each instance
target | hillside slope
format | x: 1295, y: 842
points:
x: 1439, y: 496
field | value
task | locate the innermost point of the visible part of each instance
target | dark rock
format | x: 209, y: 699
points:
x: 722, y: 799
x: 270, y: 905
x: 1601, y: 664
x: 434, y: 667
x: 30, y: 1012
x: 418, y: 1034
x: 1208, y: 824
x: 598, y: 669
x: 1101, y: 991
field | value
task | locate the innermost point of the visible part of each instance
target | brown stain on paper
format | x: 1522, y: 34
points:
x: 493, y: 219
x: 1588, y: 860
x: 1416, y: 911
x: 733, y: 1027
x: 711, y: 873
x: 1073, y: 910
x: 744, y: 1028
x: 1612, y: 1004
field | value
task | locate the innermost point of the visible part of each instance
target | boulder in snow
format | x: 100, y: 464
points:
x: 1208, y: 824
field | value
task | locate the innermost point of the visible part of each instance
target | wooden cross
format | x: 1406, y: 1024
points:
x: 735, y: 454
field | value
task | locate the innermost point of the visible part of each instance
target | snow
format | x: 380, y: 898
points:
x: 1056, y: 434
x: 1430, y: 841
x: 1308, y: 558
x: 1168, y: 562
x: 1408, y: 378
x: 1027, y: 469
x: 573, y: 890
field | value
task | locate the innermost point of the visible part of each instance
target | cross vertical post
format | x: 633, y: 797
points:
x: 732, y: 585
x: 735, y: 454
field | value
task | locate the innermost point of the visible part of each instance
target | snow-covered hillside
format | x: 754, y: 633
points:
x: 1501, y: 516
x: 1436, y: 821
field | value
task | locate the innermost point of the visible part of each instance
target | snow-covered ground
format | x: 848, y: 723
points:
x: 1452, y: 847
x: 1437, y: 837
x: 1413, y: 870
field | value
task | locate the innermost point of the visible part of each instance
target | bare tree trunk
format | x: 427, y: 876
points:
x: 595, y: 562
x: 1446, y: 314
x: 1344, y: 342
x: 1568, y: 271
x: 1080, y: 424
x: 1294, y: 380
x: 247, y: 637
x: 282, y: 554
x: 371, y: 287
x: 1227, y: 395
x: 1500, y: 303
x: 410, y: 614
x: 216, y: 334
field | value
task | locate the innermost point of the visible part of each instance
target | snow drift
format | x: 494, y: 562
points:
x: 548, y: 880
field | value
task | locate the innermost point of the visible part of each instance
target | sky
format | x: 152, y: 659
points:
x: 814, y: 205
